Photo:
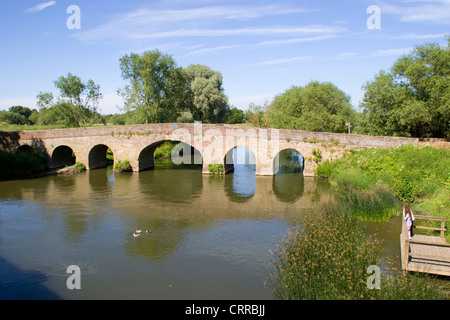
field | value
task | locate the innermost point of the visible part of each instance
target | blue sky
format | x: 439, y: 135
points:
x: 262, y: 48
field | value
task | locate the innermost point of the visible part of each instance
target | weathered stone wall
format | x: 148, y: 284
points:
x: 212, y: 141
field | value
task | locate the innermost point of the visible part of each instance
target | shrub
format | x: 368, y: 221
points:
x: 217, y: 169
x: 123, y: 166
x: 21, y: 164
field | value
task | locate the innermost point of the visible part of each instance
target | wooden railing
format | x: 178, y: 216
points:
x: 442, y: 229
x: 406, y: 243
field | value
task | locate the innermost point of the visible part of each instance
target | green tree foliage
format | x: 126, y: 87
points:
x: 234, y: 116
x: 17, y: 115
x: 258, y: 115
x: 158, y: 89
x: 12, y: 118
x: 77, y: 105
x: 210, y: 104
x: 23, y: 111
x: 413, y: 98
x: 76, y: 92
x: 315, y: 107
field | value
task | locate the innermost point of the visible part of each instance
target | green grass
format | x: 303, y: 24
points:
x: 370, y: 179
x: 327, y: 258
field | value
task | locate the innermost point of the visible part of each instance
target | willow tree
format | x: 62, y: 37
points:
x: 209, y: 102
x: 158, y: 90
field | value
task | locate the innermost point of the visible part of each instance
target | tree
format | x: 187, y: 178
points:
x: 23, y: 111
x: 235, y: 115
x: 158, y: 89
x: 12, y: 118
x: 413, y: 97
x: 315, y: 107
x: 258, y: 115
x: 78, y: 93
x: 76, y: 106
x: 210, y: 104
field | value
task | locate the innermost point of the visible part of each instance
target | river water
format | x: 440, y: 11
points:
x: 210, y: 236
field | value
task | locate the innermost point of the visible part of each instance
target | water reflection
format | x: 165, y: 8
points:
x: 240, y: 185
x: 289, y: 161
x: 288, y: 187
x: 210, y: 235
x: 171, y: 186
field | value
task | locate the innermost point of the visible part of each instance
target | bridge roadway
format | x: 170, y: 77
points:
x: 213, y: 144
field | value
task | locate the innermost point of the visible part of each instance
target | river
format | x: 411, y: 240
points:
x: 210, y: 236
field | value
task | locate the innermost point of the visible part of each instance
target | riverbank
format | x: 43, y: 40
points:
x: 374, y: 183
x: 329, y: 255
x: 330, y: 258
x: 19, y: 165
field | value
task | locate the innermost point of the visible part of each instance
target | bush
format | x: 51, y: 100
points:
x: 370, y: 180
x: 216, y: 169
x: 21, y: 164
x: 123, y: 166
x: 410, y: 172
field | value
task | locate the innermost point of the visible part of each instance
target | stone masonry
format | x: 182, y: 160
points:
x: 137, y: 143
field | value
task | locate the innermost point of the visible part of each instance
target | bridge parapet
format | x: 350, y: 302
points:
x: 136, y: 143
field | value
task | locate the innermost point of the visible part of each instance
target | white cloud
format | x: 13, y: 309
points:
x: 390, y: 52
x: 416, y: 36
x: 436, y: 11
x: 297, y: 40
x: 150, y: 24
x: 213, y: 49
x: 278, y: 61
x: 41, y: 7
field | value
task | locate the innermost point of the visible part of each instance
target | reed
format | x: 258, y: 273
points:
x: 327, y: 259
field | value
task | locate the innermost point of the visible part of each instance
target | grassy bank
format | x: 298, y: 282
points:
x: 21, y: 164
x: 373, y: 183
x: 328, y: 258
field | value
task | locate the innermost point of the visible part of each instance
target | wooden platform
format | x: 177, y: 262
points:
x: 426, y: 254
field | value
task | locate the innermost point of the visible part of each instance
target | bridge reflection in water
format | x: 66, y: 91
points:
x: 210, y: 235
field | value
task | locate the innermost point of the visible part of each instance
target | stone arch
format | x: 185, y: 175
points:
x: 241, y: 185
x: 62, y: 156
x: 98, y: 157
x: 25, y: 149
x: 188, y: 155
x: 289, y: 163
x: 238, y: 155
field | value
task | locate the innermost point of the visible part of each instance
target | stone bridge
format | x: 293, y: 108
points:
x: 212, y: 144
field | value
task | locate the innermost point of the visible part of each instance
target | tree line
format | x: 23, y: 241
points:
x: 411, y: 99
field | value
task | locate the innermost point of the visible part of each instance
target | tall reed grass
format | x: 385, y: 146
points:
x: 327, y: 259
